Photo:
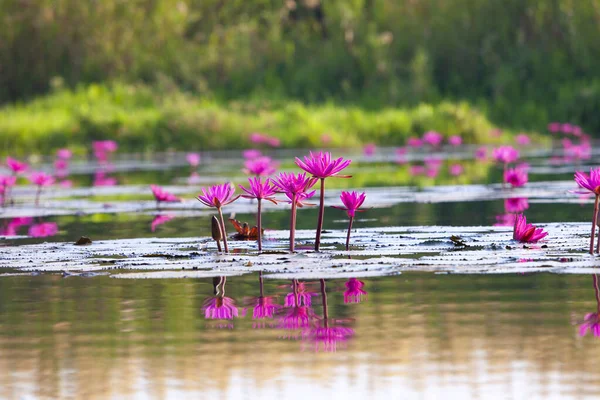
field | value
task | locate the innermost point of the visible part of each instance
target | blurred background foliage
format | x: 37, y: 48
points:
x: 521, y: 62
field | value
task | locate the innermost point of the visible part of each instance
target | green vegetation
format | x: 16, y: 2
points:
x: 141, y: 118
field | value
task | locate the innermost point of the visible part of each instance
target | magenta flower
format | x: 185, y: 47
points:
x: 303, y: 295
x: 527, y: 233
x: 61, y: 164
x: 433, y: 138
x: 481, y: 153
x: 354, y: 291
x: 414, y: 142
x: 40, y: 179
x: 591, y: 323
x: 554, y: 127
x: 516, y: 177
x: 14, y: 224
x: 352, y: 201
x: 456, y: 169
x: 297, y: 318
x: 193, y: 159
x: 369, y: 149
x: 516, y: 205
x: 505, y: 154
x: 455, y: 140
x: 64, y: 154
x: 8, y: 180
x: 101, y: 179
x: 162, y: 195
x: 16, y: 166
x: 102, y: 148
x: 43, y: 229
x: 566, y: 128
x: 159, y: 220
x: 264, y: 308
x: 260, y: 190
x: 219, y: 307
x: 328, y: 338
x: 591, y: 183
x: 321, y: 166
x: 522, y: 139
x: 218, y: 196
x: 251, y: 153
x: 295, y: 188
x: 261, y: 166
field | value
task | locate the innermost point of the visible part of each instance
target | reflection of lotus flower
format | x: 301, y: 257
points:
x: 14, y: 225
x: 304, y: 296
x: 219, y: 308
x: 506, y: 154
x: 505, y: 220
x: 297, y: 318
x: 264, y: 307
x: 591, y: 323
x: 369, y: 149
x: 516, y: 177
x: 159, y: 220
x: 354, y: 291
x: 327, y: 338
x: 161, y: 195
x: 516, y: 205
x: 527, y: 233
x: 44, y: 229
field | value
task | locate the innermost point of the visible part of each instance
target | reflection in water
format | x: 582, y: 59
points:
x: 263, y: 307
x: 512, y: 206
x: 43, y: 229
x: 159, y: 220
x: 219, y: 306
x: 591, y: 321
x: 354, y: 291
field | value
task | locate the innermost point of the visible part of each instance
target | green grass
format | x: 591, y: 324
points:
x: 140, y: 118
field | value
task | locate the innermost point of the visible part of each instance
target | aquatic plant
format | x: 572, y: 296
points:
x: 456, y: 169
x: 102, y: 149
x: 220, y: 306
x: 263, y: 307
x: 321, y: 166
x: 295, y: 187
x: 296, y: 316
x: 481, y: 153
x: 354, y: 292
x: 261, y: 166
x: 433, y: 138
x: 258, y: 138
x: 516, y: 177
x: 505, y: 154
x: 193, y: 159
x: 249, y: 154
x: 455, y: 140
x: 591, y: 183
x: 218, y: 196
x: 591, y: 321
x: 41, y: 179
x: 260, y: 191
x: 352, y: 202
x: 527, y: 233
x: 43, y: 229
x: 16, y: 166
x: 369, y: 149
x: 162, y: 196
x: 516, y: 204
x: 522, y: 139
x: 414, y: 142
x: 300, y: 296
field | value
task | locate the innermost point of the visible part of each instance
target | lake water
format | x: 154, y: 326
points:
x: 413, y: 335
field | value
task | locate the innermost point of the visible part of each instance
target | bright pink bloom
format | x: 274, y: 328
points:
x: 304, y: 297
x: 218, y: 195
x: 14, y: 224
x: 554, y: 127
x: 414, y: 142
x: 566, y: 128
x: 219, y: 308
x: 456, y: 169
x: 61, y: 164
x: 516, y: 205
x: 7, y: 180
x: 354, y: 291
x: 527, y: 233
x: 43, y: 229
x: 455, y: 140
x: 162, y: 195
x: 505, y: 220
x: 516, y: 177
x: 64, y: 154
x: 295, y: 185
x: 522, y: 139
x: 260, y: 190
x: 102, y: 148
x: 261, y: 166
x: 320, y: 165
x: 193, y: 159
x: 481, y: 153
x: 327, y: 338
x: 16, y: 166
x: 369, y: 149
x: 41, y: 179
x: 591, y: 323
x: 264, y: 307
x: 577, y: 131
x: 297, y: 318
x: 159, y: 220
x: 251, y: 153
x: 433, y: 138
x: 352, y: 202
x: 590, y: 182
x: 506, y: 154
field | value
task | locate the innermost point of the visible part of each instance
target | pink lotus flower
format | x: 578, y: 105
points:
x: 159, y: 220
x: 303, y: 295
x: 8, y: 180
x: 481, y: 153
x: 64, y: 154
x: 161, y: 195
x: 260, y: 190
x: 354, y: 291
x: 591, y: 323
x: 320, y: 165
x: 566, y: 128
x: 193, y: 159
x: 516, y: 205
x: 43, y: 229
x: 456, y: 169
x: 219, y: 307
x: 369, y: 149
x: 102, y: 148
x: 297, y: 318
x: 41, y: 179
x: 516, y: 177
x: 414, y: 142
x: 16, y: 166
x: 433, y: 138
x: 251, y: 153
x: 455, y: 140
x: 352, y: 202
x: 589, y: 182
x: 61, y: 164
x: 328, y: 338
x: 101, y: 179
x: 218, y: 196
x: 577, y: 131
x: 505, y: 154
x: 527, y: 233
x: 264, y: 307
x: 522, y: 139
x: 261, y: 166
x: 554, y: 127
